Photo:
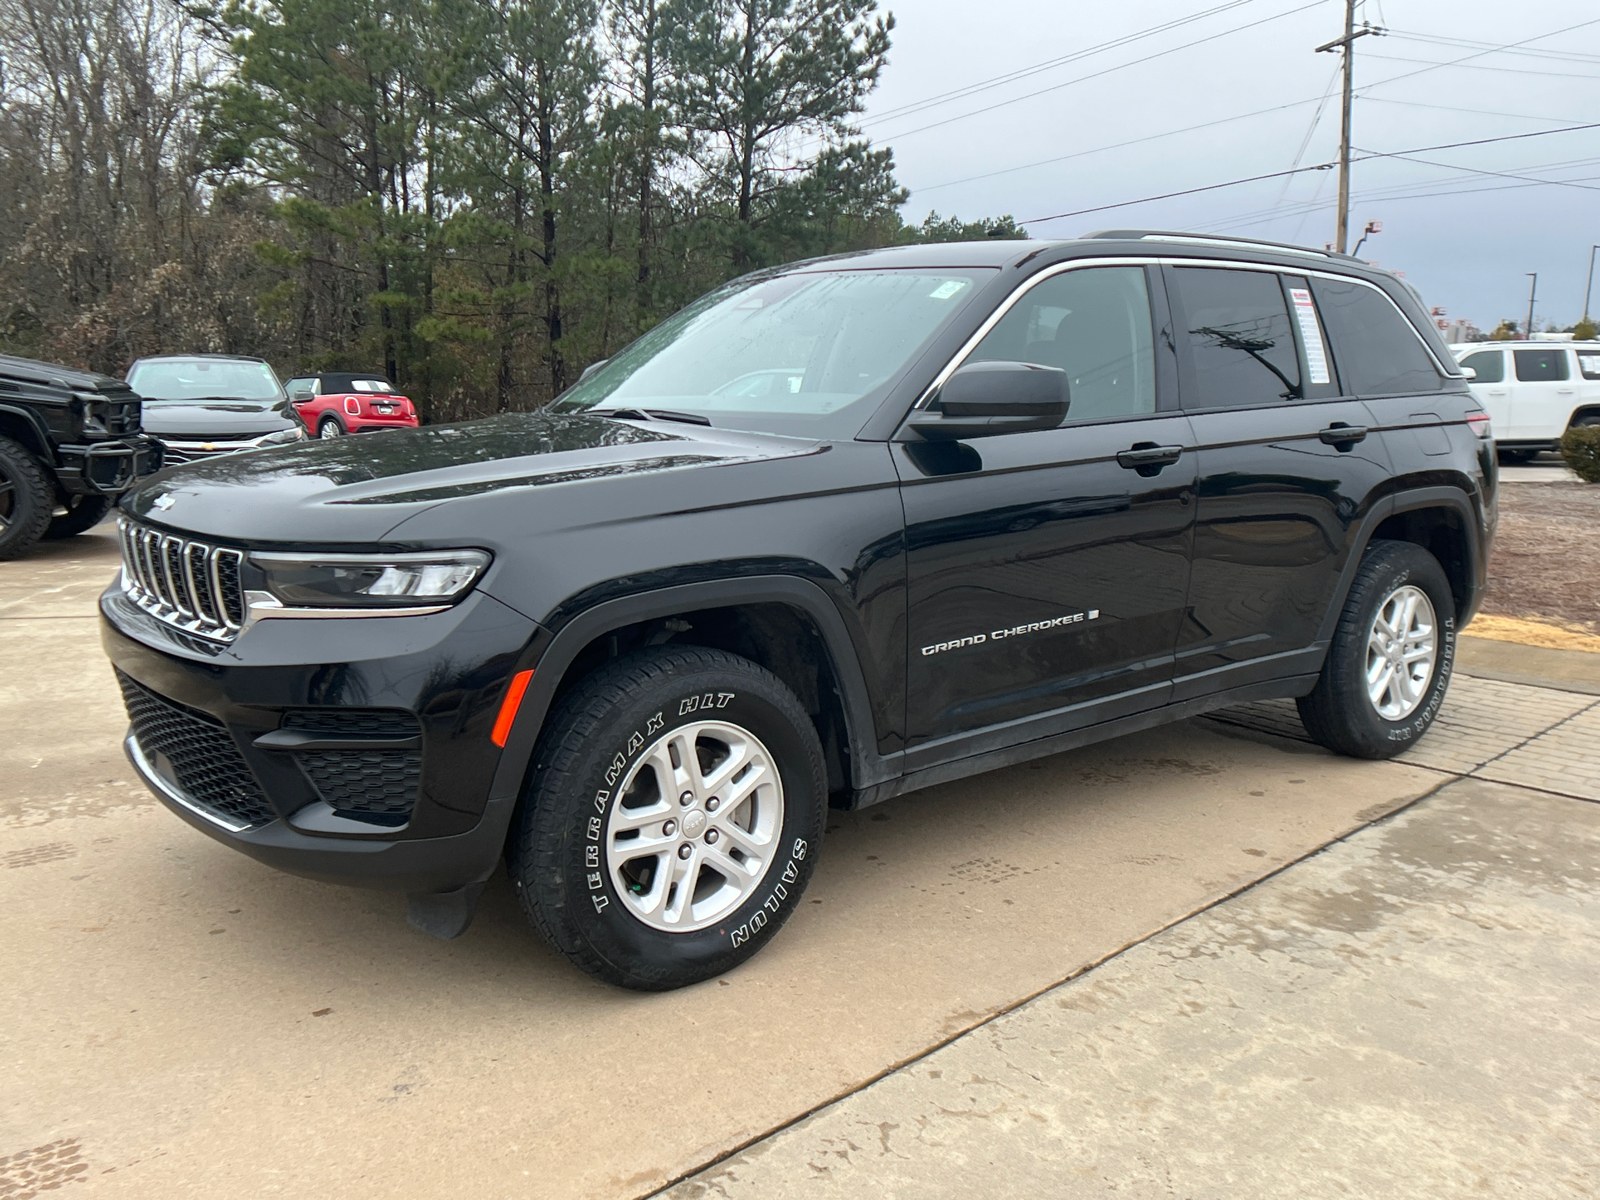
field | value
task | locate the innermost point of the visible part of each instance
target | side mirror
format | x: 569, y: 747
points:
x: 988, y: 398
x: 1469, y: 373
x: 300, y: 395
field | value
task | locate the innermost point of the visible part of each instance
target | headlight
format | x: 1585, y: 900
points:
x: 292, y: 434
x: 431, y: 577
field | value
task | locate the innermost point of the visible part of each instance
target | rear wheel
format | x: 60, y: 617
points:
x: 1515, y: 457
x: 82, y: 514
x: 674, y: 816
x: 27, y: 499
x: 330, y: 428
x: 1390, y: 661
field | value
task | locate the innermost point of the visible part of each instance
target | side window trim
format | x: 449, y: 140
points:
x: 1450, y: 371
x: 1311, y: 391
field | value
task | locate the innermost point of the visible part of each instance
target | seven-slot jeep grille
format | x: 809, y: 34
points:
x: 201, y: 755
x: 188, y: 584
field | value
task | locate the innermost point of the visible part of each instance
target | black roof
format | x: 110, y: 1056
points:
x: 31, y: 370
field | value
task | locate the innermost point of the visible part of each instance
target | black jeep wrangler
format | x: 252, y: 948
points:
x: 835, y: 532
x: 69, y: 445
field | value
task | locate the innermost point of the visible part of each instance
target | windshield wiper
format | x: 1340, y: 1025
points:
x: 650, y: 414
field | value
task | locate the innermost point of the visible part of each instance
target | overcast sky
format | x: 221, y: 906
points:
x: 1467, y: 245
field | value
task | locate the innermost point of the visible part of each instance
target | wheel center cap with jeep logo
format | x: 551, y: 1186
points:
x: 694, y: 823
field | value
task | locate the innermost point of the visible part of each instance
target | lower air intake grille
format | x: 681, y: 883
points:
x: 377, y: 785
x: 366, y: 783
x: 199, y: 753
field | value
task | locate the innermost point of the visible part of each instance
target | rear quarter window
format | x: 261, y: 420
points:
x: 1377, y: 350
x: 1589, y: 363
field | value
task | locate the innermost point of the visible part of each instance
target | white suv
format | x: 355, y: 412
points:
x: 1534, y: 391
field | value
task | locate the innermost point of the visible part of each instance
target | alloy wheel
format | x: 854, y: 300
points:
x: 696, y: 826
x: 1402, y: 648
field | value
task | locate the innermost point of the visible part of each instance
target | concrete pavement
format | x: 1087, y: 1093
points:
x: 182, y: 1020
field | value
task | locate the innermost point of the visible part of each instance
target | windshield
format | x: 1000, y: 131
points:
x: 204, y: 379
x: 809, y: 353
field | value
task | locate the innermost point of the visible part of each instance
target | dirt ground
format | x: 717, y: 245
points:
x: 1546, y: 558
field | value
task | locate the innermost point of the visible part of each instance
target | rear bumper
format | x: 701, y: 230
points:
x: 371, y: 424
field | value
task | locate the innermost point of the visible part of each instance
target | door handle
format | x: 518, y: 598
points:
x: 1563, y: 391
x: 1147, y: 455
x: 1340, y: 434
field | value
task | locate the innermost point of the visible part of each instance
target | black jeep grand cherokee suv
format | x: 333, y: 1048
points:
x: 833, y: 533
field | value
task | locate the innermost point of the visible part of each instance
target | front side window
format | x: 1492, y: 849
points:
x: 1378, y: 351
x: 204, y: 379
x: 1540, y: 366
x: 1489, y: 364
x: 1241, y: 343
x: 810, y: 353
x: 1095, y: 325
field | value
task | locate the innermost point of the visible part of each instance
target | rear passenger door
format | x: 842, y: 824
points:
x: 1285, y: 469
x: 1545, y: 396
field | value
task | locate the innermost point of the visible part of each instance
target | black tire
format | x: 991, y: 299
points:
x: 83, y: 514
x: 330, y: 427
x: 1515, y: 457
x: 1339, y: 713
x: 598, y: 738
x: 1586, y: 420
x: 27, y: 499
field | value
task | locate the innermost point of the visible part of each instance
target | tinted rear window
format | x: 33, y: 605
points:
x: 1378, y: 352
x: 1540, y: 366
x: 1241, y: 345
x: 1489, y: 364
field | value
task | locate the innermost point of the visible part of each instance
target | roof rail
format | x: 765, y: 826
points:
x: 1200, y: 239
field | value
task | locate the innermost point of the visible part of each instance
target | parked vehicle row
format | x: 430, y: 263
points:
x: 71, y: 441
x: 1534, y: 391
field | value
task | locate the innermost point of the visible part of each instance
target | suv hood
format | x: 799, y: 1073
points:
x: 502, y: 476
x: 220, y: 419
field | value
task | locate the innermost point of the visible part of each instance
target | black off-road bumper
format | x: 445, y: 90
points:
x: 107, y: 468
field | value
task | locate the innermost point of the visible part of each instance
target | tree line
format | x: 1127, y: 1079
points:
x: 477, y: 198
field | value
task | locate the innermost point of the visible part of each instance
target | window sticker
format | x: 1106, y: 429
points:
x: 1589, y: 364
x: 947, y: 289
x: 1310, y: 334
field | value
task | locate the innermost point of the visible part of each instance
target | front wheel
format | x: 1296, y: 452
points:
x: 674, y: 816
x: 27, y: 499
x: 82, y: 514
x: 1391, y: 656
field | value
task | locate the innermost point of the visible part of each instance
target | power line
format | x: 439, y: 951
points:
x: 1120, y: 145
x: 1478, y: 171
x: 1211, y: 187
x: 1452, y: 108
x: 1481, y: 53
x: 1479, y: 67
x: 1401, y: 191
x: 1408, y: 35
x: 1049, y: 64
x: 1109, y: 70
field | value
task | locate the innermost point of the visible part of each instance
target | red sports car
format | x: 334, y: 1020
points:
x: 336, y: 403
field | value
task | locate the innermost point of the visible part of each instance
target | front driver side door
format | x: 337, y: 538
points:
x: 1048, y: 575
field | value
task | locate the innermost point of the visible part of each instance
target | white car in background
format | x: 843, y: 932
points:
x: 1533, y: 391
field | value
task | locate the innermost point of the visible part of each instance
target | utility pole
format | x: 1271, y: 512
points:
x: 1533, y: 291
x: 1346, y: 45
x: 1589, y: 284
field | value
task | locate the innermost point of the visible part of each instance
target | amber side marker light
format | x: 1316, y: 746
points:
x: 509, y: 706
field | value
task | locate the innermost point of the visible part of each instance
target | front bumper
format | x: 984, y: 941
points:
x: 444, y: 674
x: 107, y: 468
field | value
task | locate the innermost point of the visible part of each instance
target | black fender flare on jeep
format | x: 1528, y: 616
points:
x: 867, y: 767
x: 1466, y: 580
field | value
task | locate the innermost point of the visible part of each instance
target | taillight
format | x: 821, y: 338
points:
x: 1479, y: 424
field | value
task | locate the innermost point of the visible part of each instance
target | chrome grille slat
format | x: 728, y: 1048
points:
x: 188, y: 584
